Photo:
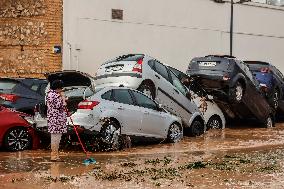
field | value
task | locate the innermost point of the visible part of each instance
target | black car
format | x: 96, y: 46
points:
x: 22, y: 94
x: 233, y: 86
x: 271, y: 79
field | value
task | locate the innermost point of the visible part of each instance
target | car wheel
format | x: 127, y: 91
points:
x: 148, y: 90
x: 17, y: 139
x: 175, y: 133
x: 214, y: 123
x: 238, y: 92
x: 269, y: 122
x: 196, y: 128
x: 111, y: 136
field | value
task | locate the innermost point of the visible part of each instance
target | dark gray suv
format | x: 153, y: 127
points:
x: 230, y: 81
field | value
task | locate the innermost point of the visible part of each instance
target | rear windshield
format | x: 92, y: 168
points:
x: 129, y: 57
x: 7, y: 85
x: 256, y: 66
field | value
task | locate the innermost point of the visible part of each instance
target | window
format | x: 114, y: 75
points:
x: 122, y: 96
x: 176, y: 82
x: 162, y: 70
x: 107, y: 95
x: 144, y: 101
x: 6, y: 85
x: 117, y: 14
x: 151, y: 63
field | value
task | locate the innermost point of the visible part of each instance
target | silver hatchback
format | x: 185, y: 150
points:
x: 150, y: 76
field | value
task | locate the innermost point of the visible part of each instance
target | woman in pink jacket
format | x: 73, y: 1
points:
x: 56, y: 116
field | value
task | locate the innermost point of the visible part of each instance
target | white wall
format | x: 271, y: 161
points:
x: 172, y: 31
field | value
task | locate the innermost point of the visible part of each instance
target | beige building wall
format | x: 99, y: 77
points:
x: 29, y: 29
x: 172, y: 31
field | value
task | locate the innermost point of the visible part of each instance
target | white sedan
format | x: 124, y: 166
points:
x: 116, y: 111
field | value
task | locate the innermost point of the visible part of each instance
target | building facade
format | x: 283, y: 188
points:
x: 38, y: 36
x: 172, y: 31
x: 29, y: 31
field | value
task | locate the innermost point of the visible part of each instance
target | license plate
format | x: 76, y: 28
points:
x: 207, y: 63
x: 114, y: 68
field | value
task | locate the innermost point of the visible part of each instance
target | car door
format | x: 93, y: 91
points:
x: 154, y: 122
x: 184, y: 106
x: 163, y: 86
x: 130, y: 116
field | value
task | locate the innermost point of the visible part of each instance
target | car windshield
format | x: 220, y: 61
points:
x: 256, y: 67
x: 79, y: 92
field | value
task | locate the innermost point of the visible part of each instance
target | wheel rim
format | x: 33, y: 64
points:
x: 275, y: 99
x: 269, y: 122
x: 18, y: 139
x: 239, y: 93
x: 112, y: 135
x: 175, y: 133
x: 215, y: 124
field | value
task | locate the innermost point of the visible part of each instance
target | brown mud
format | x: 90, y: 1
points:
x: 238, y: 157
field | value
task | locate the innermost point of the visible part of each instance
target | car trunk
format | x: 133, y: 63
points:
x: 74, y: 84
x: 123, y: 64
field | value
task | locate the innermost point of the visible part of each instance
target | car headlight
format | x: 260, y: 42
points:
x: 30, y: 120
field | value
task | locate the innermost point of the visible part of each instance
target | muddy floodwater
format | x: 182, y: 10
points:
x: 244, y: 156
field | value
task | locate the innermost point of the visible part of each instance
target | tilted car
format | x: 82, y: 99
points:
x: 271, y: 78
x: 230, y: 81
x: 17, y: 130
x: 115, y: 111
x: 77, y: 86
x: 22, y: 94
x: 213, y: 115
x: 142, y: 72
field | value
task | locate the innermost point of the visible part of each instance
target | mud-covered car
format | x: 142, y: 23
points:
x: 271, y: 79
x: 150, y: 76
x: 116, y: 111
x: 213, y: 115
x: 233, y: 87
x: 77, y: 87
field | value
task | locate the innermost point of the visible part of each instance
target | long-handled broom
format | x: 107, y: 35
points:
x: 88, y: 159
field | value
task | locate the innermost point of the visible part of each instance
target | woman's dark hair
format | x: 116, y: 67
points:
x: 56, y: 84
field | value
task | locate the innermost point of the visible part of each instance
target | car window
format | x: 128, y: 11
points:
x: 122, y: 96
x: 162, y: 70
x: 279, y: 74
x: 107, y: 95
x: 176, y: 82
x: 151, y: 63
x: 144, y: 101
x: 7, y: 85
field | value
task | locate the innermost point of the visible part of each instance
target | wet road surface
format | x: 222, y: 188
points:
x: 238, y: 157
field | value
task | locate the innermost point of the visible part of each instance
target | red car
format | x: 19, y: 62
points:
x: 16, y: 131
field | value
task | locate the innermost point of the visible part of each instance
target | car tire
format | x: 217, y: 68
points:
x: 196, y: 128
x: 148, y: 90
x: 238, y: 92
x: 17, y: 139
x: 269, y: 122
x: 110, y: 136
x: 175, y: 133
x: 214, y: 122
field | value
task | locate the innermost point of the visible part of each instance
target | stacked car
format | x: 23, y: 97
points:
x: 136, y: 96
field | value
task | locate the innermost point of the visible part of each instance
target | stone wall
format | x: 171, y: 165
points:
x: 29, y: 29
